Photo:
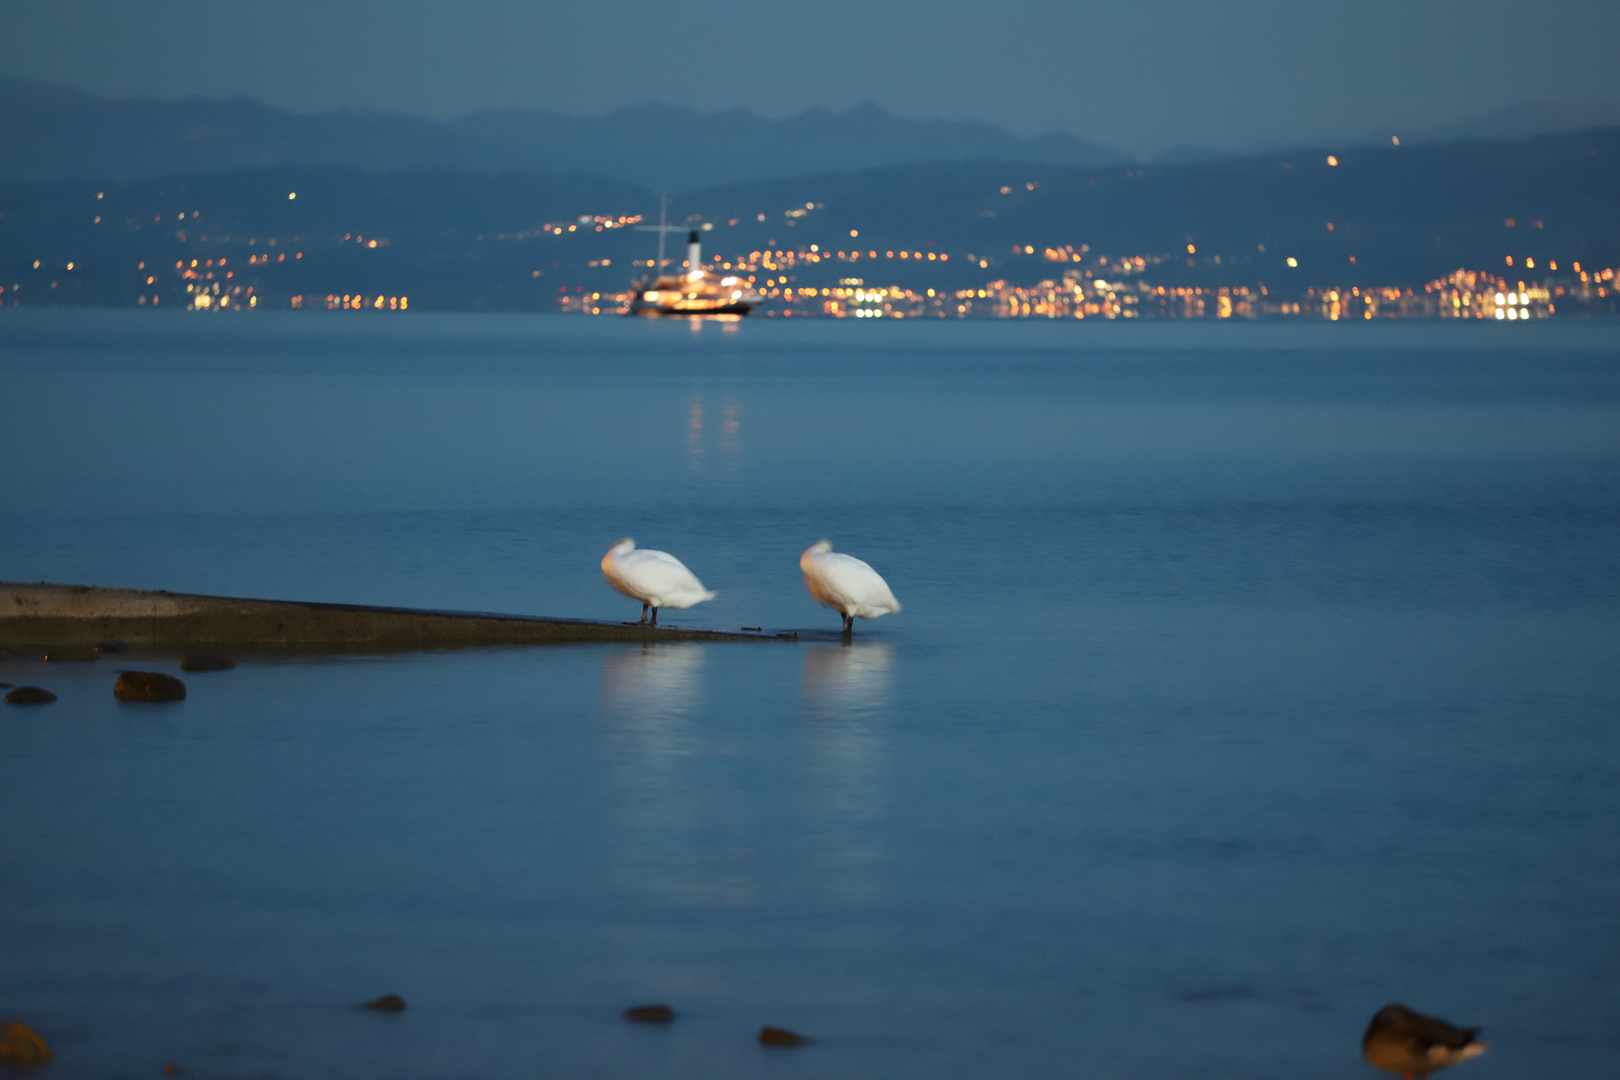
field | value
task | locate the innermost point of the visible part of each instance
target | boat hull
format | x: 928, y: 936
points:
x: 688, y: 309
x: 692, y: 295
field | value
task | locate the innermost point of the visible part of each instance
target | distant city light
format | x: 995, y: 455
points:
x: 1332, y: 161
x: 292, y: 194
x: 1292, y: 261
x: 854, y: 232
x: 1395, y: 140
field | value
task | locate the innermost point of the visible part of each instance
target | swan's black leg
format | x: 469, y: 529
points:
x: 654, y: 618
x: 849, y: 625
x: 643, y: 615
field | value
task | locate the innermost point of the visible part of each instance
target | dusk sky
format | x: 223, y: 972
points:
x: 1137, y: 76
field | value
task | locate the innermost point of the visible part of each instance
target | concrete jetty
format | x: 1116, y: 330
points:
x: 43, y: 614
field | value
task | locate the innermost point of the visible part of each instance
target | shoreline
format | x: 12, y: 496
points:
x: 42, y: 613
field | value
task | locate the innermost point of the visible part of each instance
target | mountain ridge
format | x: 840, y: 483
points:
x: 54, y: 133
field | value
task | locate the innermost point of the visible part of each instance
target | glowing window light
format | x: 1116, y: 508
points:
x: 1332, y: 161
x: 1292, y: 261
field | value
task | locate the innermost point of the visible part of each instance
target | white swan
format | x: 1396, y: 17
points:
x: 845, y: 584
x: 656, y: 578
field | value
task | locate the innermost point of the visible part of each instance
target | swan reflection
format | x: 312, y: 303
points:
x: 656, y: 679
x: 847, y: 676
x: 845, y: 763
x: 665, y: 812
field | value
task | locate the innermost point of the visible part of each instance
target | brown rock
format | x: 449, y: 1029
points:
x: 387, y: 1003
x: 650, y: 1014
x: 775, y: 1036
x: 30, y: 695
x: 207, y: 663
x: 148, y: 686
x: 21, y: 1045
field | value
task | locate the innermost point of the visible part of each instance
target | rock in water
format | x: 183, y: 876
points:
x: 149, y: 686
x: 650, y: 1014
x: 775, y: 1036
x: 30, y: 695
x: 21, y: 1045
x: 206, y: 663
x: 387, y: 1003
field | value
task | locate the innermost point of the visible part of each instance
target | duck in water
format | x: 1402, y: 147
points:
x: 1410, y: 1044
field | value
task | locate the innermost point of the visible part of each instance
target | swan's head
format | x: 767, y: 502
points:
x: 807, y: 561
x: 621, y: 547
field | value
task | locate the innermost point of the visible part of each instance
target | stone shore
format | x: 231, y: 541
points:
x: 44, y: 614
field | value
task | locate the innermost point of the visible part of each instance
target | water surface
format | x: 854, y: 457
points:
x: 1248, y: 678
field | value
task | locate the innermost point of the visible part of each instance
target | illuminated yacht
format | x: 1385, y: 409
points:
x: 696, y: 291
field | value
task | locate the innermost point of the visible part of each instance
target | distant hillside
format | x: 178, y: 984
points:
x: 1406, y: 214
x: 1517, y: 121
x: 463, y: 240
x: 52, y: 133
x: 451, y: 240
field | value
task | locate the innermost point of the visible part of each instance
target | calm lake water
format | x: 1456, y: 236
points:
x: 1248, y: 678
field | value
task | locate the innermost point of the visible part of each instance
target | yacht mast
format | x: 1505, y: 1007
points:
x: 663, y: 229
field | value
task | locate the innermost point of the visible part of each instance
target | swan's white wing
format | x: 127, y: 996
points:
x: 854, y: 586
x: 661, y: 579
